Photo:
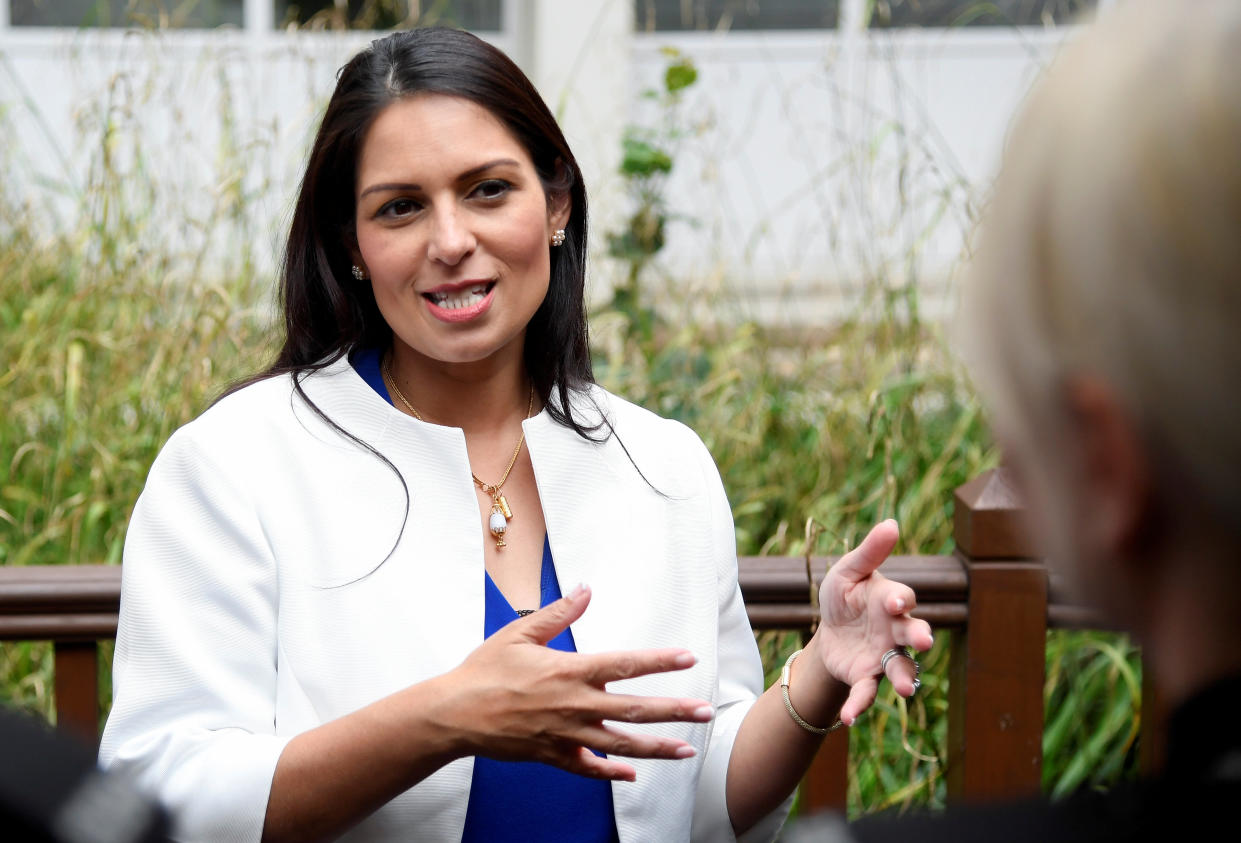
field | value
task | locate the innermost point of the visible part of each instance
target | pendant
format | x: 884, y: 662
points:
x: 503, y: 504
x: 498, y: 524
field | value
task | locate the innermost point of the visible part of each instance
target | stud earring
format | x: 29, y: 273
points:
x: 358, y: 273
x: 558, y: 237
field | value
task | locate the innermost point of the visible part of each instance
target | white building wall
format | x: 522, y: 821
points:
x: 825, y: 158
x: 838, y: 158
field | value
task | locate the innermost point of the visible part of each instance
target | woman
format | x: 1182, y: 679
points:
x: 315, y: 562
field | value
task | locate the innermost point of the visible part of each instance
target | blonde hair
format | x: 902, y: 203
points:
x: 1112, y: 246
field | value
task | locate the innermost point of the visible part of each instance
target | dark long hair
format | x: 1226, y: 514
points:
x: 326, y: 312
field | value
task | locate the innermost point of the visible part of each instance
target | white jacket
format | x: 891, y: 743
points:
x: 254, y: 605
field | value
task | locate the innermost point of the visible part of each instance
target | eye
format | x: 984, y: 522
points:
x: 492, y: 189
x: 398, y: 208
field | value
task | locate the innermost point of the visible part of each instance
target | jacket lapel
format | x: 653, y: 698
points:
x: 584, y: 485
x: 578, y: 487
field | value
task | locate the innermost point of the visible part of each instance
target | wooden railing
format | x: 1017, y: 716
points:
x: 992, y: 594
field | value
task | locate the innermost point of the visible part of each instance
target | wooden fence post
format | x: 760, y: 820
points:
x: 995, y: 697
x: 77, y: 688
x: 825, y: 787
x: 1153, y: 738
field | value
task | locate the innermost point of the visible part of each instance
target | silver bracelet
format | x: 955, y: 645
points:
x: 788, y: 703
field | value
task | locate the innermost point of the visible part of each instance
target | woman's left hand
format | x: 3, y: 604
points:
x: 865, y: 614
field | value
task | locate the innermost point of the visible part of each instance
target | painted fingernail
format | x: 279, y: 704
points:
x: 686, y: 751
x: 704, y: 713
x: 684, y: 660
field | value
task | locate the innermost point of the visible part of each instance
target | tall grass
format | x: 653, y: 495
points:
x: 105, y: 348
x: 107, y: 345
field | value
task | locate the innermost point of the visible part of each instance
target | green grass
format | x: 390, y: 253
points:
x: 1092, y: 701
x: 107, y: 347
x: 873, y: 420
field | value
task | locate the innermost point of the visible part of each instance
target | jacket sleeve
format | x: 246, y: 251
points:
x: 740, y: 682
x: 194, y: 675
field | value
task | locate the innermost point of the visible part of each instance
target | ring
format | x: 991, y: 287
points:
x: 893, y: 653
x: 904, y: 652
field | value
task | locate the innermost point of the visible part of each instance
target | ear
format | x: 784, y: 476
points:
x: 1114, y: 470
x: 355, y: 254
x: 559, y: 209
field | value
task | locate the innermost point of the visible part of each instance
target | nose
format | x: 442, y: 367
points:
x: 451, y: 238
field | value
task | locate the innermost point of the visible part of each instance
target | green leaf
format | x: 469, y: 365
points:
x: 640, y: 159
x: 680, y: 76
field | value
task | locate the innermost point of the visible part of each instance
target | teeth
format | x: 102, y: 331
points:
x: 461, y: 298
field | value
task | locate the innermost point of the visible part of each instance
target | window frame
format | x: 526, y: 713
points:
x: 258, y: 20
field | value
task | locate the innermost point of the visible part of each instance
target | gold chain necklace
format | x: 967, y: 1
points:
x: 501, y: 513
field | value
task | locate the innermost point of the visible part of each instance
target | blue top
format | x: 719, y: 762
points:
x: 522, y: 800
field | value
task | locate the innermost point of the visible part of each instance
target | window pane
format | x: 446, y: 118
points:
x: 665, y: 15
x: 898, y: 13
x: 478, y: 15
x: 185, y: 14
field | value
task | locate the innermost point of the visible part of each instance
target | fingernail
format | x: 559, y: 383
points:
x: 578, y: 590
x: 704, y: 713
x: 900, y: 605
x: 684, y: 660
x: 686, y: 751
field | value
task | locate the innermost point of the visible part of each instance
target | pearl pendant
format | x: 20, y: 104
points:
x: 498, y: 525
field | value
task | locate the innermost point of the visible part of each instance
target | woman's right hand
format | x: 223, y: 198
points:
x: 515, y: 699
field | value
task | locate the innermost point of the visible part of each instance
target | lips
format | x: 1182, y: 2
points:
x: 461, y: 297
x: 460, y: 302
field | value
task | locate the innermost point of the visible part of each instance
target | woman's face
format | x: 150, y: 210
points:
x: 452, y: 229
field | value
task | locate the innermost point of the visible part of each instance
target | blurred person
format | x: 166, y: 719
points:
x: 349, y: 599
x: 52, y: 791
x: 1103, y: 323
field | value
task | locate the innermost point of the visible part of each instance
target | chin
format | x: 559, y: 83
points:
x: 465, y: 354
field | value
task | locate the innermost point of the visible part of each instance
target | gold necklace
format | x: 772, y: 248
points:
x: 501, y: 513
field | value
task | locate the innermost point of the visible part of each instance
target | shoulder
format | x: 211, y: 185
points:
x: 668, y: 452
x: 236, y: 431
x: 258, y: 399
x: 272, y: 420
x: 271, y: 409
x: 648, y: 430
x: 240, y: 416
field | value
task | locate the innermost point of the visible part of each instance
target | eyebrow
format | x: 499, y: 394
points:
x: 468, y: 174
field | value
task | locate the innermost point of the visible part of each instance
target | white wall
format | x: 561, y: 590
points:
x: 825, y: 158
x: 195, y: 126
x: 579, y: 56
x: 839, y: 157
x: 208, y: 130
